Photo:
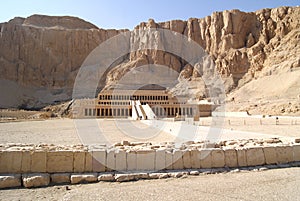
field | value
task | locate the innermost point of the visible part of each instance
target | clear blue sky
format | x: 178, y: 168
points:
x: 128, y: 13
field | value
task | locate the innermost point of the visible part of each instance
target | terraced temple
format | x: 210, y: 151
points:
x: 141, y: 104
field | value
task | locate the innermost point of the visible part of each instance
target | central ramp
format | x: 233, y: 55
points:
x: 141, y: 112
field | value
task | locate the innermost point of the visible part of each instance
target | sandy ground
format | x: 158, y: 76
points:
x: 69, y: 131
x: 275, y: 94
x: 286, y: 126
x: 274, y: 184
x: 16, y: 114
x: 58, y: 131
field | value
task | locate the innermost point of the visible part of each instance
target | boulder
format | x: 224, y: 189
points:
x: 36, y: 180
x: 84, y: 178
x: 10, y: 180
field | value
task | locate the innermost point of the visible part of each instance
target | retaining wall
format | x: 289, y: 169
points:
x: 32, y: 159
x: 40, y: 165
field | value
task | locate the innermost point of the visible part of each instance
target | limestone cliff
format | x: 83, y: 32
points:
x: 40, y: 55
x: 238, y: 42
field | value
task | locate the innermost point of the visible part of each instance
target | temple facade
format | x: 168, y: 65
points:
x: 129, y: 103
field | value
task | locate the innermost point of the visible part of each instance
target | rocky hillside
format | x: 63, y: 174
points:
x: 275, y: 89
x: 40, y: 56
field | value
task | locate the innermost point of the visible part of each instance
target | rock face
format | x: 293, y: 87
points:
x: 239, y: 43
x: 41, y: 55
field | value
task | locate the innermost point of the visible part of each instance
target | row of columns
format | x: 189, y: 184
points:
x: 89, y: 112
x: 125, y: 112
x: 172, y: 111
x: 114, y: 112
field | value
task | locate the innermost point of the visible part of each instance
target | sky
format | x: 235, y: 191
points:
x: 120, y: 14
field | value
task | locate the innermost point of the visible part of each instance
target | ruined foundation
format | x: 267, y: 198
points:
x: 41, y: 165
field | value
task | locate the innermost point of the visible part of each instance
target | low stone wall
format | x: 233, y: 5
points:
x: 127, y: 157
x: 18, y: 158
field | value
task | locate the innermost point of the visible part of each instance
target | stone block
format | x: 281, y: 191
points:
x: 141, y: 175
x: 241, y: 157
x: 231, y: 159
x: 3, y: 162
x: 131, y: 161
x: 10, y: 161
x: 106, y: 177
x: 60, y: 178
x: 38, y: 161
x: 99, y: 160
x: 177, y: 160
x: 154, y: 175
x: 88, y: 165
x: 195, y: 159
x: 59, y: 161
x: 158, y: 175
x: 124, y: 177
x: 186, y: 157
x: 205, y: 158
x: 79, y: 161
x: 217, y: 158
x: 145, y: 159
x: 26, y: 162
x: 194, y: 172
x: 110, y: 160
x: 121, y: 164
x: 284, y: 154
x: 169, y: 160
x: 163, y: 176
x: 255, y: 156
x: 36, y: 180
x: 16, y: 161
x: 296, y: 151
x: 84, y: 178
x: 177, y: 174
x: 270, y: 155
x: 160, y: 159
x: 10, y: 180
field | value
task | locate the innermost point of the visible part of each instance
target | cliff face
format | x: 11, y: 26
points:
x: 238, y: 42
x: 243, y: 47
x: 40, y: 55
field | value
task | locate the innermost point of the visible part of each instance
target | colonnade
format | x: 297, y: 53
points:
x: 127, y: 111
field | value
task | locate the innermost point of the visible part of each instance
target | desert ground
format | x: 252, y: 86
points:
x: 284, y: 126
x: 68, y: 131
x: 272, y: 184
